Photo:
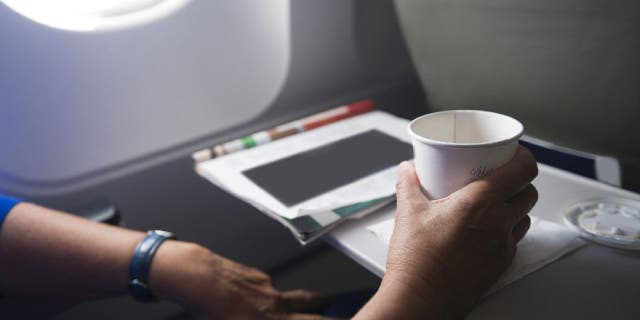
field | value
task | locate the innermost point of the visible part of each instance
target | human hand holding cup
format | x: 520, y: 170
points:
x: 452, y: 148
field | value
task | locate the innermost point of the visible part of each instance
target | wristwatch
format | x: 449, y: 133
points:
x: 140, y: 262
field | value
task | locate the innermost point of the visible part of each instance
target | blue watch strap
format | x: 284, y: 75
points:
x: 6, y: 204
x: 140, y: 262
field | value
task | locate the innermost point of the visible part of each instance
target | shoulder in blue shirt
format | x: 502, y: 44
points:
x: 6, y: 204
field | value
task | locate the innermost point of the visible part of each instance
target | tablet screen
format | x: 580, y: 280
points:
x: 305, y: 175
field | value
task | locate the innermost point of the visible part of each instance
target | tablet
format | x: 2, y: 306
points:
x: 302, y: 176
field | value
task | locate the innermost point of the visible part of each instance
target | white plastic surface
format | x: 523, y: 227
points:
x: 592, y: 283
x: 608, y: 221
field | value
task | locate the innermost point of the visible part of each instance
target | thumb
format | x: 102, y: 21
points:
x: 408, y: 192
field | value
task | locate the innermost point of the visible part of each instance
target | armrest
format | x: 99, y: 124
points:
x: 100, y: 210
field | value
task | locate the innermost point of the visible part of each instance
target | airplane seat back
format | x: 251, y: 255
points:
x: 569, y: 70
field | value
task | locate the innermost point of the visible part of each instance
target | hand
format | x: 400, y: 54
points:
x: 444, y: 254
x: 213, y: 287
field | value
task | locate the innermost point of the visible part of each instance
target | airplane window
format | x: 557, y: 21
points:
x: 82, y: 15
x: 78, y: 105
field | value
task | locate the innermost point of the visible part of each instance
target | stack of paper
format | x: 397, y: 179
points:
x: 314, y: 216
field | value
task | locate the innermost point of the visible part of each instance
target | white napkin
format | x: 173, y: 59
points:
x: 544, y: 243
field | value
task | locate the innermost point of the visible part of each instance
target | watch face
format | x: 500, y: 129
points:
x: 164, y: 233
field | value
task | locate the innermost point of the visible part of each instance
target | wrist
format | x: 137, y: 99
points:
x: 141, y: 262
x: 178, y: 269
x: 402, y: 299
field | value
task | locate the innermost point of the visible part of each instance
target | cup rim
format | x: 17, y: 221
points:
x: 464, y: 145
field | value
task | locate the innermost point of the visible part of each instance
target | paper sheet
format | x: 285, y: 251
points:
x: 544, y: 243
x: 226, y: 171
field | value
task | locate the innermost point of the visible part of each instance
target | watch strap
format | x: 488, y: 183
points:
x: 140, y: 262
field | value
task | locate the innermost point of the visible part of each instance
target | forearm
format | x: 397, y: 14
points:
x: 49, y: 254
x: 53, y: 255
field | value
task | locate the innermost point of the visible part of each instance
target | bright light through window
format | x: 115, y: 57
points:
x: 93, y: 15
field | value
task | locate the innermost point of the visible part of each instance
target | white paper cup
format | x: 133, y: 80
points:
x: 452, y: 148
